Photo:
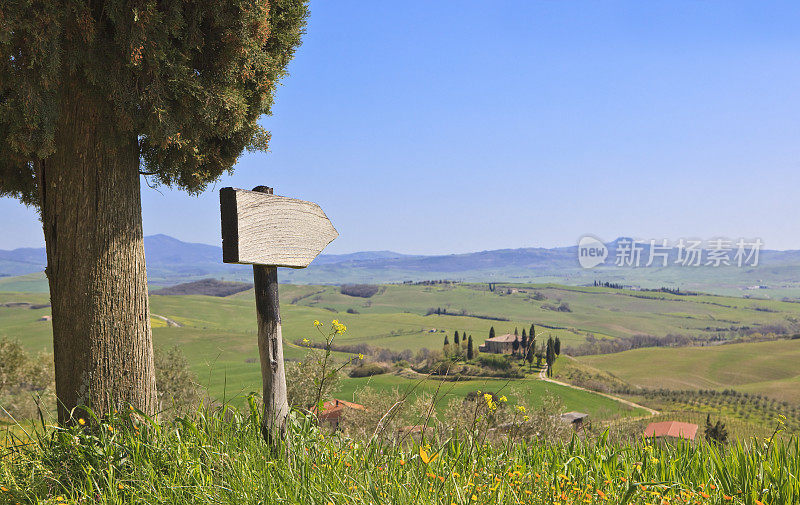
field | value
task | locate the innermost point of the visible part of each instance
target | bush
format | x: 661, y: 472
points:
x: 302, y: 380
x: 176, y: 384
x: 359, y: 290
x: 494, y: 361
x: 367, y: 370
x: 26, y: 382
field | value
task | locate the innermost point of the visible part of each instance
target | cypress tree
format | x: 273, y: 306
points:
x: 515, y: 346
x: 469, y: 348
x: 550, y: 356
x: 455, y: 338
x: 524, y: 341
x: 529, y: 356
x: 557, y: 346
x: 491, y: 332
x: 93, y: 95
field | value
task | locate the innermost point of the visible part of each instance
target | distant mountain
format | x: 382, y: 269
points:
x: 171, y: 261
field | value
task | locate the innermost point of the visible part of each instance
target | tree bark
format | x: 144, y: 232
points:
x: 91, y: 215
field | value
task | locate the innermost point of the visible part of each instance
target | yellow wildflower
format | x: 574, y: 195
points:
x: 425, y: 457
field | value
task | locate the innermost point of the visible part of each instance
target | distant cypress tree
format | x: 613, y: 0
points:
x: 557, y: 346
x: 491, y: 332
x: 717, y: 432
x: 524, y: 340
x: 515, y: 346
x: 531, y: 333
x: 455, y: 338
x: 446, y: 346
x: 529, y: 356
x: 469, y: 348
x: 550, y: 356
x: 516, y: 332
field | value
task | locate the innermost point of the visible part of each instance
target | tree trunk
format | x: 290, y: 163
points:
x: 92, y: 220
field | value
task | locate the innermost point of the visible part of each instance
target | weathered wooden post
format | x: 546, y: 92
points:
x: 270, y: 231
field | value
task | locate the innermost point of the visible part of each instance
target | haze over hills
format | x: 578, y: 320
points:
x: 172, y: 261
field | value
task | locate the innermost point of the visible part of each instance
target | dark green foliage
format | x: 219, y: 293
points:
x: 557, y: 346
x: 550, y: 356
x: 188, y: 79
x: 470, y: 351
x: 359, y: 290
x: 367, y: 370
x: 455, y: 338
x: 491, y: 332
x: 494, y: 361
x: 206, y: 287
x: 716, y: 432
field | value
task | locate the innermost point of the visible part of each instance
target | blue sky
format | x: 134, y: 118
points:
x: 454, y: 126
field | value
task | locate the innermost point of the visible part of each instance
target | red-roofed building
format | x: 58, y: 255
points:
x: 673, y: 429
x: 332, y: 410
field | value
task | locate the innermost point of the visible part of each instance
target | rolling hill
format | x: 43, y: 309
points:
x: 171, y: 261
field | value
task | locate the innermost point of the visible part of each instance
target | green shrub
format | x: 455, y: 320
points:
x: 494, y: 361
x: 367, y: 370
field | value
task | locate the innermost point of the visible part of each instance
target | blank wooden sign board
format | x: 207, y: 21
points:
x: 264, y: 229
x: 270, y: 231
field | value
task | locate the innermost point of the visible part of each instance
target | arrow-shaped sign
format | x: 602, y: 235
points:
x: 264, y: 229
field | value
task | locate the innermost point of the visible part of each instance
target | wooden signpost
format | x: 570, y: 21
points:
x: 269, y: 231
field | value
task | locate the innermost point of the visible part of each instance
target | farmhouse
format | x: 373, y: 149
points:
x: 332, y: 411
x: 671, y: 429
x: 501, y: 344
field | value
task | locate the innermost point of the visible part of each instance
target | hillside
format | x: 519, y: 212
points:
x: 768, y: 368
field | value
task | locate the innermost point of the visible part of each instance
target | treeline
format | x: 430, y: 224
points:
x: 594, y: 345
x: 430, y: 283
x: 359, y: 290
x: 672, y: 291
x: 442, y: 311
x: 612, y: 285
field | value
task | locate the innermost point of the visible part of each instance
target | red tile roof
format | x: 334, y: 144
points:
x: 332, y: 409
x: 674, y: 429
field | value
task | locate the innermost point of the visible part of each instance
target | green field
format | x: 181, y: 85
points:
x: 770, y: 368
x: 218, y: 335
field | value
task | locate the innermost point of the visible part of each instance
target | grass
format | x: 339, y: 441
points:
x: 530, y: 391
x: 219, y: 457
